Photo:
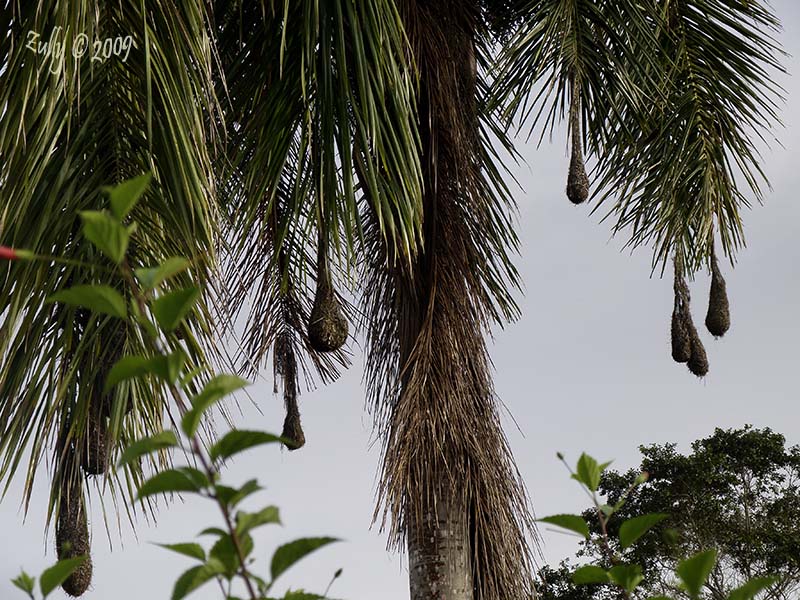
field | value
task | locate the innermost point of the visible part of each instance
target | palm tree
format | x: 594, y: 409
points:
x: 336, y: 163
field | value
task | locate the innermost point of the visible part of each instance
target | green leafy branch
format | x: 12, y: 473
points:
x: 692, y: 572
x: 156, y: 313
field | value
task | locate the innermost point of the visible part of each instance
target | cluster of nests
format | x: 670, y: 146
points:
x: 93, y: 456
x: 327, y: 332
x: 72, y: 529
x: 686, y: 345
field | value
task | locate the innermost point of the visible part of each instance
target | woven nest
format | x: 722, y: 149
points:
x: 72, y: 540
x: 718, y: 318
x: 698, y: 361
x: 686, y: 344
x: 578, y: 180
x: 681, y: 321
x: 293, y: 431
x: 681, y: 342
x: 95, y: 455
x: 327, y: 327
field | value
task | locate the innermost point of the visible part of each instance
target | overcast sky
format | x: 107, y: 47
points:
x: 587, y: 368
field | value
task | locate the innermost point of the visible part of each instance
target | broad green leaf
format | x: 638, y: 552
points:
x: 187, y: 549
x: 193, y: 579
x: 607, y: 509
x: 263, y: 586
x: 98, y: 298
x: 752, y: 588
x: 124, y: 196
x: 152, y: 277
x: 25, y: 582
x: 627, y: 577
x: 106, y: 233
x: 590, y: 574
x: 185, y: 479
x: 301, y: 595
x: 239, y: 440
x: 246, y: 522
x: 232, y: 496
x: 127, y: 367
x: 170, y: 309
x: 216, y: 389
x: 694, y: 571
x: 213, y: 531
x: 298, y: 595
x: 53, y: 577
x: 225, y: 552
x: 588, y: 471
x: 632, y: 529
x: 574, y: 523
x: 288, y: 554
x: 167, y: 368
x: 248, y: 488
x: 159, y: 441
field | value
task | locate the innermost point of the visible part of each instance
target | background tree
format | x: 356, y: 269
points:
x: 738, y: 491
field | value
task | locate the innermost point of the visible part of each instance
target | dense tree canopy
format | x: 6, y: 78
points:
x: 737, y: 491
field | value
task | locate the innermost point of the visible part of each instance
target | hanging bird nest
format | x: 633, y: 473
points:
x: 698, y: 361
x: 293, y: 431
x: 72, y: 539
x: 577, y: 179
x: 327, y: 325
x: 681, y: 340
x: 96, y: 448
x: 285, y: 367
x: 718, y: 318
x: 687, y: 347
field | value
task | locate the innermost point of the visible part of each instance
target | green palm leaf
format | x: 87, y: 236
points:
x: 63, y: 136
x: 682, y: 175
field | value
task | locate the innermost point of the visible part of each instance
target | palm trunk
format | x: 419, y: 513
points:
x: 439, y: 548
x: 449, y: 482
x: 439, y: 556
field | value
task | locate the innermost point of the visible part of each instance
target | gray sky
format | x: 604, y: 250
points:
x: 587, y: 368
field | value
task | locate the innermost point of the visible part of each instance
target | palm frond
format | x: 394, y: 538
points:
x: 681, y: 176
x: 305, y: 85
x: 593, y: 56
x: 64, y: 134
